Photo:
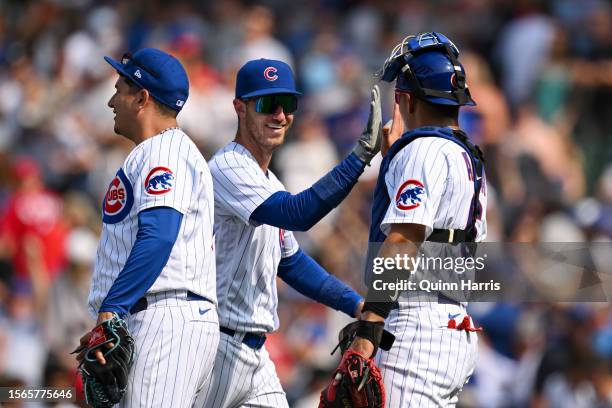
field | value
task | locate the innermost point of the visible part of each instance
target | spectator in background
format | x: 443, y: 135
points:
x: 67, y: 296
x: 22, y: 347
x: 258, y: 40
x: 524, y: 46
x: 208, y: 116
x: 13, y: 383
x: 309, y: 157
x: 32, y: 229
x: 554, y: 154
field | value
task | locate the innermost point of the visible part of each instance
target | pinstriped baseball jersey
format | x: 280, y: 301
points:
x: 430, y: 182
x: 247, y: 254
x: 428, y: 363
x: 166, y: 170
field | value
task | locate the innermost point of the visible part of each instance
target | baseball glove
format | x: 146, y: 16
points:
x: 105, y: 384
x: 368, y: 144
x: 357, y: 382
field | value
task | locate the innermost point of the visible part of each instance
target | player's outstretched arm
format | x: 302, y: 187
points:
x: 299, y: 212
x: 305, y: 275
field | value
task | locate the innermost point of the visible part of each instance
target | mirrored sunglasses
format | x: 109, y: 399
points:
x: 268, y: 104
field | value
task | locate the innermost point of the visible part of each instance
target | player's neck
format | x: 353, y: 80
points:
x: 154, y: 128
x: 262, y: 155
x: 430, y: 120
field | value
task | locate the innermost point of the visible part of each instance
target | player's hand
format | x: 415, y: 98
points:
x: 84, y: 341
x: 359, y: 309
x: 106, y: 360
x: 83, y: 348
x: 369, y: 142
x: 362, y: 346
x: 392, y: 131
x: 102, y: 316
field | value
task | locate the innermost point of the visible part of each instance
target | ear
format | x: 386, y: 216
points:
x: 240, y: 107
x: 405, y: 104
x: 141, y: 98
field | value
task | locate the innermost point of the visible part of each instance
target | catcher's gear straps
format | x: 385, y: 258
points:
x: 382, y: 199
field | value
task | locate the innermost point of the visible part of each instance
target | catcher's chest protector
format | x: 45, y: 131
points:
x: 381, y: 197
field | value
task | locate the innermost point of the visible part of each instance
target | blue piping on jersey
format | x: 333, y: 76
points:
x: 306, y: 276
x: 158, y: 230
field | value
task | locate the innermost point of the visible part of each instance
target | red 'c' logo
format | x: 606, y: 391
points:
x: 115, y: 197
x: 270, y: 74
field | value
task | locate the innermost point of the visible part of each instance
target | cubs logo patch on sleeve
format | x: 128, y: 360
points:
x: 160, y: 180
x: 410, y: 195
x: 118, y: 199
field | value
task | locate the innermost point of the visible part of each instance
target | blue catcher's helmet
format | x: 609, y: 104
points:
x: 426, y: 65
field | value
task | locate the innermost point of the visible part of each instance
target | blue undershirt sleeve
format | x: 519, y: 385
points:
x: 158, y: 229
x: 299, y: 212
x: 305, y: 275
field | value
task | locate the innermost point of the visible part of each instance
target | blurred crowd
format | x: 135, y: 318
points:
x: 541, y: 72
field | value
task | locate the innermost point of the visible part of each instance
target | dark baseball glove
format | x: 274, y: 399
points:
x: 357, y: 382
x: 105, y: 384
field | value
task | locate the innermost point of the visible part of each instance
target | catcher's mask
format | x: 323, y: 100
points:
x: 427, y: 67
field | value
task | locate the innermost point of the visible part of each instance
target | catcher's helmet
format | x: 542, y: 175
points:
x: 426, y: 65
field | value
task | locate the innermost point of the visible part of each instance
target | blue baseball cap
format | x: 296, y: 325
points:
x: 158, y: 72
x: 264, y: 77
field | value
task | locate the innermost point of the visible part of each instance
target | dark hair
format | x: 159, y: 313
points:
x: 441, y: 111
x: 161, y: 108
x: 134, y: 87
x: 165, y: 110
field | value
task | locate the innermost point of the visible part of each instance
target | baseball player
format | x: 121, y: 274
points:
x: 155, y: 261
x: 431, y: 187
x: 254, y: 217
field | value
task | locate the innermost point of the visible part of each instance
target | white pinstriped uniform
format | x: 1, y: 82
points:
x: 247, y: 260
x: 428, y: 363
x: 166, y: 170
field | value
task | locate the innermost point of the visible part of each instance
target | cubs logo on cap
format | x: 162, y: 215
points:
x: 270, y: 74
x: 160, y: 180
x: 264, y: 77
x: 118, y: 200
x: 408, y: 196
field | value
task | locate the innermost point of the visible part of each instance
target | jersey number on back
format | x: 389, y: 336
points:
x: 472, y: 176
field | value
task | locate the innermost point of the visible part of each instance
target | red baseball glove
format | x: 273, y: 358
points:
x: 356, y: 383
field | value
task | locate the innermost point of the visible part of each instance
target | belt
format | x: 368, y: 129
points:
x: 142, y: 303
x: 253, y: 340
x: 442, y: 299
x: 453, y: 236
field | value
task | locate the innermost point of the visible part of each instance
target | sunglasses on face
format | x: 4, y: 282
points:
x: 268, y: 104
x: 127, y: 59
